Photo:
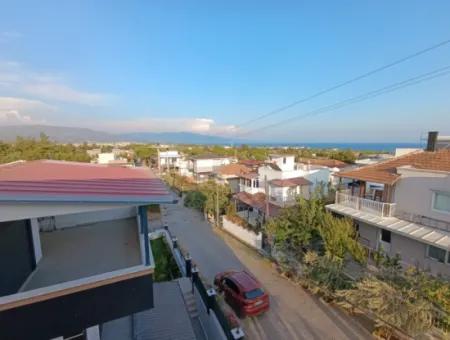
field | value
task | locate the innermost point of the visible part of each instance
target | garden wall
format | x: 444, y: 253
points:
x: 249, y: 237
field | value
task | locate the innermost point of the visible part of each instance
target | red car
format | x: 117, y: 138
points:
x: 242, y: 292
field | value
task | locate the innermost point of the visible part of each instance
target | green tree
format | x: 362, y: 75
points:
x: 296, y: 228
x: 340, y: 238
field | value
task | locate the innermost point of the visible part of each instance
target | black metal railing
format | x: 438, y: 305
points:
x: 209, y: 300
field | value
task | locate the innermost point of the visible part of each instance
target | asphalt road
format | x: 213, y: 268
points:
x: 294, y: 313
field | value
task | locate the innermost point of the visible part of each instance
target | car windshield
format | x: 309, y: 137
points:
x: 253, y: 294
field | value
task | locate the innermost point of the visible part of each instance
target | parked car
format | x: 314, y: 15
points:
x: 242, y: 292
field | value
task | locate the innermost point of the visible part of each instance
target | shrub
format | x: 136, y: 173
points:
x: 195, y: 199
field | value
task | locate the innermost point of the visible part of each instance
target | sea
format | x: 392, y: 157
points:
x: 382, y: 147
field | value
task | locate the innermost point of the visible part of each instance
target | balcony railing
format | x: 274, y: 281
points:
x: 363, y: 204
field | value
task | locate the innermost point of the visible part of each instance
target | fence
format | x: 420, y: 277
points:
x: 208, y: 296
x: 363, y: 204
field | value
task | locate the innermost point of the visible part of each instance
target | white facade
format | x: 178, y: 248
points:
x: 201, y: 168
x: 106, y: 157
x: 284, y: 168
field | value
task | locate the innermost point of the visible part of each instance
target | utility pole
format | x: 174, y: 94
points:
x: 266, y: 190
x: 217, y: 205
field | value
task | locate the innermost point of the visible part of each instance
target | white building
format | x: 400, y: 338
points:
x: 285, y: 179
x: 402, y: 206
x: 202, y: 167
x: 172, y: 159
x: 106, y: 157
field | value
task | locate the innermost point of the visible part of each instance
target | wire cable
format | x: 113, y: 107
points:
x: 347, y: 82
x: 440, y: 72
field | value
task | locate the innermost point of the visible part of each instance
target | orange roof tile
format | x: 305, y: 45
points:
x: 290, y: 182
x: 233, y: 169
x: 257, y: 201
x: 386, y: 172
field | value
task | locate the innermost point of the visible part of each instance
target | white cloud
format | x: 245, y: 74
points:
x: 16, y: 78
x: 22, y: 111
x: 197, y: 125
x: 64, y: 93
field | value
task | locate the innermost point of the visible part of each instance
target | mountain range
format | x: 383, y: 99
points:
x: 64, y: 134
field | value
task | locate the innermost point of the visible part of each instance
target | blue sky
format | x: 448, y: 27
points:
x: 208, y: 66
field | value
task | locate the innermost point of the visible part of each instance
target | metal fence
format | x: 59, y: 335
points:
x: 209, y: 300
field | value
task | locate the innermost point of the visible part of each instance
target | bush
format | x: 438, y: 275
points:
x: 195, y: 199
x: 325, y: 272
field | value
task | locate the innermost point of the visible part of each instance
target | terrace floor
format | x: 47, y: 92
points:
x: 82, y: 251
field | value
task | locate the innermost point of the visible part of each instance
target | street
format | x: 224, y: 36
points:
x: 294, y: 313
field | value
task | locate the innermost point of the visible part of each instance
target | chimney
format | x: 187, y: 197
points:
x: 432, y: 141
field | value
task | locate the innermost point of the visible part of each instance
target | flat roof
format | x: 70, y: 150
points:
x: 433, y: 236
x: 61, y: 181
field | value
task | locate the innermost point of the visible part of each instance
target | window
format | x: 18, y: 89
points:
x: 232, y: 285
x: 256, y: 183
x: 385, y: 236
x: 441, y: 201
x: 436, y: 253
x: 253, y: 294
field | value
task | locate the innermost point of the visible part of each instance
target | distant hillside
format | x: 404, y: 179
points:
x: 56, y: 133
x: 78, y: 135
x: 173, y: 137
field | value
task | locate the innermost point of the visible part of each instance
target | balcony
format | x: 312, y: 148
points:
x: 380, y: 209
x: 88, y: 275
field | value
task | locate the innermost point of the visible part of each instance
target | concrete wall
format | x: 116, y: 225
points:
x: 288, y: 166
x: 369, y: 235
x: 318, y: 177
x: 72, y: 220
x: 247, y: 236
x: 414, y: 192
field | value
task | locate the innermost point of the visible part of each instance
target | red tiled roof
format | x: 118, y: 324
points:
x: 290, y: 182
x: 249, y: 175
x: 386, y: 172
x: 257, y: 201
x: 251, y: 162
x: 233, y: 169
x: 60, y: 181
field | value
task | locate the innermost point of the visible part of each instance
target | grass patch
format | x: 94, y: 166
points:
x: 166, y: 269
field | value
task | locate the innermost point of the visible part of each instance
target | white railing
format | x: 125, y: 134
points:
x: 363, y: 204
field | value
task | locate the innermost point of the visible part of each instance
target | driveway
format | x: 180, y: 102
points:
x: 294, y: 313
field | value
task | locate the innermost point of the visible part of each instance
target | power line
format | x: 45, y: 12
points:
x: 440, y: 72
x: 347, y: 82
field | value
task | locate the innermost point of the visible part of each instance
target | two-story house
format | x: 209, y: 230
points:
x: 284, y: 180
x: 172, y: 160
x: 74, y: 249
x: 202, y: 167
x: 402, y: 206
